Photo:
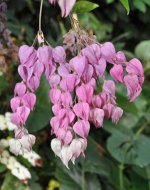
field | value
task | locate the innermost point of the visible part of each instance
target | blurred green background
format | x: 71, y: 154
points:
x: 118, y: 156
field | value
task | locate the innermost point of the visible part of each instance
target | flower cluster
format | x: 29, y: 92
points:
x: 11, y: 163
x: 74, y: 98
x: 73, y: 84
x: 65, y: 6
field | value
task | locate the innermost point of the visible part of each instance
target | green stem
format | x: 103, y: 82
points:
x: 121, y: 182
x: 140, y: 130
x: 83, y: 180
x: 148, y: 178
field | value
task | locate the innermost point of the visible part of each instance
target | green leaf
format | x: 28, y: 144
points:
x: 125, y: 3
x: 95, y: 162
x: 140, y: 5
x: 142, y: 50
x: 2, y: 167
x: 40, y: 116
x: 69, y: 179
x: 84, y: 6
x: 92, y: 182
x: 12, y: 183
x: 129, y: 149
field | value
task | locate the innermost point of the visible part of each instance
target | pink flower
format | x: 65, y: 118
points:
x: 82, y: 110
x: 66, y: 6
x: 120, y: 58
x: 100, y: 68
x: 88, y: 73
x: 59, y: 54
x: 108, y: 52
x: 38, y: 69
x: 78, y: 64
x: 109, y: 87
x: 29, y: 100
x: 117, y: 73
x: 27, y: 55
x: 134, y: 66
x: 56, y: 108
x: 44, y: 54
x: 33, y: 83
x: 65, y: 116
x: 108, y: 110
x: 85, y: 93
x: 97, y: 101
x: 54, y: 80
x: 69, y: 82
x: 20, y: 89
x: 15, y: 103
x: 66, y: 99
x: 117, y: 114
x: 23, y: 113
x: 97, y: 116
x: 63, y: 70
x: 82, y: 128
x: 133, y: 86
x: 55, y: 95
x: 25, y: 72
x: 92, y: 53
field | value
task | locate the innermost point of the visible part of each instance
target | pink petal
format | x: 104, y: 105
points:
x: 59, y: 54
x: 92, y: 53
x: 27, y: 55
x: 44, y: 54
x: 117, y: 114
x: 108, y: 52
x: 29, y: 100
x: 20, y: 89
x: 82, y: 110
x: 82, y: 128
x: 117, y: 73
x: 109, y: 87
x: 78, y: 64
x: 133, y: 86
x: 55, y: 95
x: 33, y: 83
x: 66, y: 6
x: 100, y: 68
x: 15, y: 103
x: 97, y: 117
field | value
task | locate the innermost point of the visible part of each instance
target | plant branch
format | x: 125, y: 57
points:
x: 40, y: 16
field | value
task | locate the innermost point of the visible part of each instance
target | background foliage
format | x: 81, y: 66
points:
x: 118, y: 156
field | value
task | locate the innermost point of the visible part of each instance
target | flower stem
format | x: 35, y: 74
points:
x: 40, y: 16
x: 121, y: 168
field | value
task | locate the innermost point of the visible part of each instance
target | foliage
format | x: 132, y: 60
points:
x: 118, y: 156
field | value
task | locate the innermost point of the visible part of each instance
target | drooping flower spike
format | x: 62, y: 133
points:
x: 73, y: 80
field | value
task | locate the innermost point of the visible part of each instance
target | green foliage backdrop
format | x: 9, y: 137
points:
x: 118, y: 156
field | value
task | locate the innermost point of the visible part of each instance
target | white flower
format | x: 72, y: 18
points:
x: 32, y: 157
x: 20, y: 146
x: 9, y: 124
x: 66, y: 155
x: 4, y: 143
x: 56, y: 146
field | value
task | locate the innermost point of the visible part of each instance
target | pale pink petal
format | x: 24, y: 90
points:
x: 117, y: 73
x: 117, y: 114
x: 82, y: 128
x: 97, y: 117
x: 82, y: 110
x: 59, y: 54
x: 108, y: 52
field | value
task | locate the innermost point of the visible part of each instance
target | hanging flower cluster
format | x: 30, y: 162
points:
x: 72, y: 92
x: 73, y: 78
